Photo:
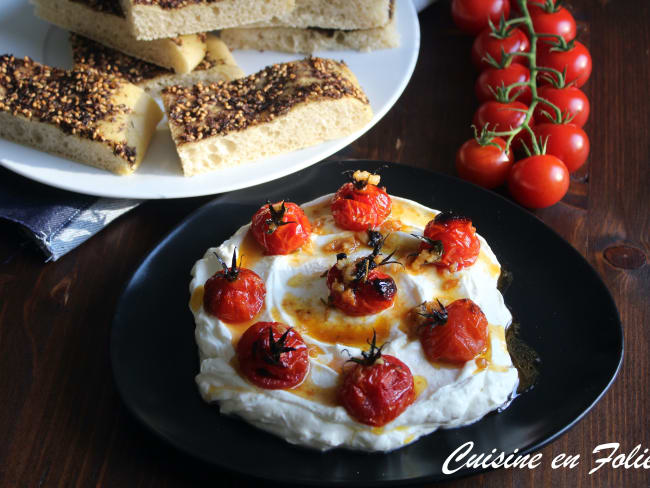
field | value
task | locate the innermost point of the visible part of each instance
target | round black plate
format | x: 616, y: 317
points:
x: 554, y: 295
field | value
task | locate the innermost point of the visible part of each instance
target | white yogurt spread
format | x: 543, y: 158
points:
x: 447, y: 396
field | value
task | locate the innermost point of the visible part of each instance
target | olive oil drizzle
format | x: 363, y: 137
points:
x: 524, y: 357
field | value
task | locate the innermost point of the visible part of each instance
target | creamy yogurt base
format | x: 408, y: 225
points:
x: 308, y: 415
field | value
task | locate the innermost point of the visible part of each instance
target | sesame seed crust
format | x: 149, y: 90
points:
x: 172, y: 4
x: 105, y: 6
x: 95, y: 55
x: 75, y: 101
x: 206, y: 110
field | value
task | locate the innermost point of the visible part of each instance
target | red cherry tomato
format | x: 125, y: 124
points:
x: 568, y: 142
x: 570, y: 100
x: 234, y: 294
x: 499, y: 116
x: 280, y: 228
x: 471, y: 16
x: 489, y: 43
x: 558, y: 21
x: 361, y: 296
x: 456, y: 335
x: 460, y: 246
x: 273, y: 356
x: 484, y: 165
x: 491, y: 79
x: 377, y: 389
x: 360, y: 206
x: 538, y: 181
x: 576, y: 61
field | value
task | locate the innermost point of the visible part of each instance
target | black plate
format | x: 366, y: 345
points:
x: 553, y: 295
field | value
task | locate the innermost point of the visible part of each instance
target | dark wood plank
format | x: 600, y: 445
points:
x: 62, y: 422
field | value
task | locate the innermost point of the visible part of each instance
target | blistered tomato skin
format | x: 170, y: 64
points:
x: 273, y: 356
x: 360, y: 209
x: 460, y: 245
x: 364, y: 297
x: 377, y: 394
x: 234, y: 300
x: 460, y: 338
x: 280, y: 228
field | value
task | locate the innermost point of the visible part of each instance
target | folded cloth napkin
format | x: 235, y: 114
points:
x: 56, y: 220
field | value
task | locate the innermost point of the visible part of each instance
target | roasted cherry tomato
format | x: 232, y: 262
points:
x: 495, y: 43
x: 472, y: 16
x: 377, y: 389
x: 570, y: 100
x: 273, y: 356
x: 567, y: 142
x: 450, y: 242
x: 492, y: 79
x: 234, y: 294
x: 485, y: 163
x: 358, y: 287
x: 552, y: 19
x: 538, y: 181
x: 361, y: 204
x: 456, y: 333
x: 281, y: 227
x: 575, y: 59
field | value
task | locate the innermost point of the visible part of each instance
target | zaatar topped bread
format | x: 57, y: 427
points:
x: 311, y: 39
x: 334, y: 14
x: 104, y: 21
x: 282, y: 108
x: 83, y: 115
x: 155, y: 19
x: 218, y: 65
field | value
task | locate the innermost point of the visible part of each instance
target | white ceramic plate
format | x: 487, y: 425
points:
x: 382, y: 74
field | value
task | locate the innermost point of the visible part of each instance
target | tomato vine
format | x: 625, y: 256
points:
x: 531, y: 67
x: 526, y: 21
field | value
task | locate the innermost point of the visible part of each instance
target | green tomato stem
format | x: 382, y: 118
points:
x: 526, y: 21
x: 515, y: 21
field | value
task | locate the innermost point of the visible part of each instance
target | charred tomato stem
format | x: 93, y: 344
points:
x: 370, y: 357
x: 277, y: 214
x: 230, y: 273
x: 436, y: 317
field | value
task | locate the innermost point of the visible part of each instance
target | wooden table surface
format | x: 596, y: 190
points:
x: 61, y: 420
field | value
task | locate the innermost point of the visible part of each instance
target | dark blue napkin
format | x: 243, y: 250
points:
x: 56, y: 220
